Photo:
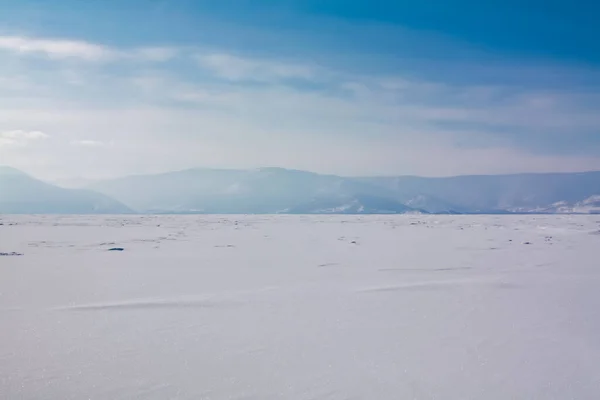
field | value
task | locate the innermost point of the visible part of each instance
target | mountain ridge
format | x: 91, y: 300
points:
x: 22, y: 194
x: 272, y: 190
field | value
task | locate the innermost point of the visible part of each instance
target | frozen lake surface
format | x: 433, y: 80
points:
x: 300, y: 307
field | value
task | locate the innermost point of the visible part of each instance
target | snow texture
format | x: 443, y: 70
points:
x: 300, y: 307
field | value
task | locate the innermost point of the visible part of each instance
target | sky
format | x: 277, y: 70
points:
x: 106, y: 88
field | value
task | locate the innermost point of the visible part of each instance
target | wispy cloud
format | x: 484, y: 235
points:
x: 56, y: 48
x: 226, y: 109
x: 63, y: 49
x: 236, y: 68
x: 20, y: 137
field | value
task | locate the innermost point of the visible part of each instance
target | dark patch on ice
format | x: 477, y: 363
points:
x: 596, y: 233
x: 527, y: 243
x: 11, y: 254
x: 152, y: 305
x: 328, y: 265
x: 116, y: 249
x: 225, y: 246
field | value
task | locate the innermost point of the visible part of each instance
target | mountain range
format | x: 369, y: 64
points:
x: 277, y: 190
x: 23, y: 194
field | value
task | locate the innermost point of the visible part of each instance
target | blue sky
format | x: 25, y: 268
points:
x: 106, y: 88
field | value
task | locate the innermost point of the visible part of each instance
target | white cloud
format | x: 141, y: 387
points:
x: 25, y: 135
x: 62, y: 49
x: 237, y: 68
x: 349, y: 123
x: 56, y: 48
x: 20, y: 137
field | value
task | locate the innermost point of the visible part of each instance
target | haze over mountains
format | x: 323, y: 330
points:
x: 277, y: 190
x: 23, y: 194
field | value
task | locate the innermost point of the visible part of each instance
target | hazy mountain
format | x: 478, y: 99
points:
x: 73, y: 183
x: 265, y: 190
x: 495, y: 193
x: 358, y: 204
x: 22, y: 194
x: 591, y: 205
x: 430, y: 204
x: 276, y: 190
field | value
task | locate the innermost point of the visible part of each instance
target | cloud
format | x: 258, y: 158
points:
x: 334, y: 120
x: 20, y: 137
x: 63, y: 49
x: 56, y: 48
x: 23, y: 135
x: 235, y: 68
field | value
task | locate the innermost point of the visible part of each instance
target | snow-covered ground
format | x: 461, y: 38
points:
x: 300, y: 307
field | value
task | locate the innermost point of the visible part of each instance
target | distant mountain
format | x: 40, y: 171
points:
x: 495, y: 193
x: 429, y: 203
x: 22, y: 194
x: 591, y: 205
x: 73, y: 183
x: 358, y: 204
x: 265, y: 190
x: 277, y: 190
